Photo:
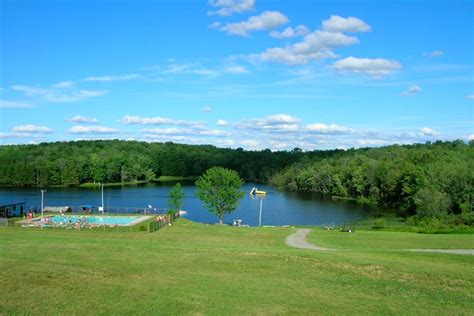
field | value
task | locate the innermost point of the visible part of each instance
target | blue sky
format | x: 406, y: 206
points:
x: 237, y: 73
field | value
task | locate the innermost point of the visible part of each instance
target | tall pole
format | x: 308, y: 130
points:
x: 42, y: 203
x: 260, y: 217
x: 102, y: 198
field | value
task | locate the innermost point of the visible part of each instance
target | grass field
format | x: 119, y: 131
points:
x: 190, y: 268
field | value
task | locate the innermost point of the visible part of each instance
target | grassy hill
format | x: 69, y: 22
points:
x: 191, y: 268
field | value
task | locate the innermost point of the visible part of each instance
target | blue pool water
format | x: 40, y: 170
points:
x: 96, y: 220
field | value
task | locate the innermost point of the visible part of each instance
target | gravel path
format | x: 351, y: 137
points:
x: 298, y: 240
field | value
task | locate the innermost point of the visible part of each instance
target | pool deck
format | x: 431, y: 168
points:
x: 36, y: 222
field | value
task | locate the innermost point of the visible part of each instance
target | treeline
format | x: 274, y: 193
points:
x: 114, y: 161
x: 432, y: 180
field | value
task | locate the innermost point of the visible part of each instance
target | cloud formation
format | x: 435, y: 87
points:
x: 331, y: 129
x: 112, y: 78
x: 268, y: 20
x: 290, y: 32
x: 30, y: 128
x: 81, y: 129
x: 229, y: 7
x: 339, y: 24
x: 206, y: 109
x: 412, y: 90
x: 8, y: 104
x: 377, y: 67
x: 426, y: 131
x: 435, y: 53
x: 82, y: 119
x: 61, y: 94
x: 137, y: 120
x: 317, y: 45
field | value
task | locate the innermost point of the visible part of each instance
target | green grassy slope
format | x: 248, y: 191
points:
x: 192, y: 268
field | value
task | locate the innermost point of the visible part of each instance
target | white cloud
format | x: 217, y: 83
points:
x: 16, y: 135
x: 229, y: 7
x: 251, y: 143
x: 278, y: 145
x: 435, y: 53
x: 185, y: 132
x: 236, y: 70
x: 81, y: 129
x: 266, y: 21
x: 377, y: 67
x: 315, y: 46
x: 290, y: 32
x: 412, y: 90
x: 331, y: 129
x: 112, y: 78
x: 373, y: 142
x: 350, y: 24
x: 222, y: 123
x: 470, y: 96
x: 130, y: 119
x: 63, y: 84
x: 206, y: 108
x: 215, y: 25
x: 225, y: 142
x: 272, y: 123
x: 58, y: 94
x: 30, y: 128
x: 82, y: 119
x: 8, y: 104
x: 470, y: 137
x: 426, y: 131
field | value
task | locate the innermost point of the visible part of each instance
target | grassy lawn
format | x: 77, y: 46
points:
x: 190, y: 268
x: 389, y: 241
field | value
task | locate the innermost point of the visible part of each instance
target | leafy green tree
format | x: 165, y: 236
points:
x: 176, y: 197
x: 219, y: 189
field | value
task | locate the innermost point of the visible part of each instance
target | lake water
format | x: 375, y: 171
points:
x: 279, y: 208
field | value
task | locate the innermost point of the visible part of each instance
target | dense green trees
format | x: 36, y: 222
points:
x: 219, y: 189
x: 72, y: 163
x: 429, y: 180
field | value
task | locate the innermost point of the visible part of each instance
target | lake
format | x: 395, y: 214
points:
x: 279, y: 208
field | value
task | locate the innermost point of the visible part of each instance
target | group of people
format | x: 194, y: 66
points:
x: 29, y: 216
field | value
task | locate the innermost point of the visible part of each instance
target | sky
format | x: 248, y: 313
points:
x: 237, y: 73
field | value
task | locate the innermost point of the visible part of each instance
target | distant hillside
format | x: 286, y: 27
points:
x: 430, y: 180
x: 114, y: 161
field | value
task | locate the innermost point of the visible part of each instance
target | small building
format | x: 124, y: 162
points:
x: 12, y: 210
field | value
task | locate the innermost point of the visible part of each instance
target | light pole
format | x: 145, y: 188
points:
x: 42, y: 203
x: 260, y: 217
x: 102, y: 198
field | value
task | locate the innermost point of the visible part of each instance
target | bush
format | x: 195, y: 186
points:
x: 379, y: 223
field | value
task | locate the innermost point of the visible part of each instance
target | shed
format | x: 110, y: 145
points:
x: 12, y: 210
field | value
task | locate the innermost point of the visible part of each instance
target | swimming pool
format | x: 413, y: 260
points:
x: 97, y: 220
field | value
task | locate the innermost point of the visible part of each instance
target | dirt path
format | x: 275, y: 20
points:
x: 298, y: 240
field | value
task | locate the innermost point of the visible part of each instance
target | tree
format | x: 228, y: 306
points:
x: 219, y: 189
x: 176, y: 198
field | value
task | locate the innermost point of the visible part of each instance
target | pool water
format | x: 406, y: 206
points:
x: 98, y: 220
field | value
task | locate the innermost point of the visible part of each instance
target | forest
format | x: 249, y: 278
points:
x: 114, y: 161
x: 432, y: 180
x: 427, y: 180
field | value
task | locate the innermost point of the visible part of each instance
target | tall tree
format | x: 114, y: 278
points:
x: 176, y: 198
x: 219, y: 189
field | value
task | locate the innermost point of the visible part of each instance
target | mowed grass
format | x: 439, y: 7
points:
x: 190, y: 268
x: 389, y: 241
